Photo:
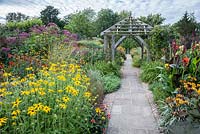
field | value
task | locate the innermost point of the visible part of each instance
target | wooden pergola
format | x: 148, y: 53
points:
x: 123, y: 29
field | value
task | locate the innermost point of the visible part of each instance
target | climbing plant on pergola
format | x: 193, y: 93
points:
x: 123, y: 29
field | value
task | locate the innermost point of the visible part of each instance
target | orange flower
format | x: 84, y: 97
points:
x: 185, y: 61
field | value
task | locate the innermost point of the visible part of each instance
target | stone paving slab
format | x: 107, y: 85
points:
x: 130, y: 110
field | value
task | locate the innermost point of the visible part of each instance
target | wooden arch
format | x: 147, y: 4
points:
x: 124, y: 28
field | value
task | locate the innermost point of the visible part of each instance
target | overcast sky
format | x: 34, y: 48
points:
x: 172, y: 10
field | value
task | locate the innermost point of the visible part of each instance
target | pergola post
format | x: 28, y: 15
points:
x: 113, y: 48
x: 105, y: 43
x: 142, y: 51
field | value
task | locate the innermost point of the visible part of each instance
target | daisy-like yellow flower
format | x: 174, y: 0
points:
x: 74, y: 92
x: 6, y: 74
x: 51, y: 84
x: 25, y: 92
x: 3, y: 121
x: 46, y: 109
x: 16, y: 103
x: 98, y: 110
x: 16, y: 112
x: 87, y: 94
x: 65, y: 99
x: 32, y: 111
x: 61, y: 78
x: 63, y: 106
x: 77, y: 83
x: 29, y: 68
x: 42, y: 93
x: 38, y: 106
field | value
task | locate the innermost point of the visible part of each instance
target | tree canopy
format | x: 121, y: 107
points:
x: 16, y: 17
x: 152, y: 19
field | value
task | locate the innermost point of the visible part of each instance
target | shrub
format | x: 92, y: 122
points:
x: 111, y: 83
x: 159, y: 94
x: 150, y: 71
x: 97, y: 86
x: 107, y: 67
x: 137, y: 61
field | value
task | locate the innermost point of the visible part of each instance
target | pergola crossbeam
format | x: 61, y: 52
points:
x: 124, y: 28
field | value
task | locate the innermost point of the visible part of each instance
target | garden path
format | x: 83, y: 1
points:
x: 130, y: 106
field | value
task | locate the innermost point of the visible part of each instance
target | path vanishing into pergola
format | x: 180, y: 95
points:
x: 130, y: 106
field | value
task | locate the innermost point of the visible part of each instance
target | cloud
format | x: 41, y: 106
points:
x: 172, y: 10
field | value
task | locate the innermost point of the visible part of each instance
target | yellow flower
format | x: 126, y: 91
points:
x: 51, y: 84
x: 77, y: 83
x: 2, y: 90
x: 65, y: 99
x: 87, y: 94
x: 14, y: 123
x: 98, y: 110
x: 16, y: 112
x: 42, y: 93
x: 60, y: 91
x: 74, y: 92
x: 16, y: 103
x: 25, y: 92
x: 63, y: 106
x: 46, y: 109
x: 198, y: 91
x: 61, y: 78
x: 29, y: 68
x: 6, y: 74
x: 51, y: 90
x: 103, y: 118
x: 3, y: 121
x: 32, y: 111
x: 38, y: 106
x: 167, y: 66
x: 3, y: 84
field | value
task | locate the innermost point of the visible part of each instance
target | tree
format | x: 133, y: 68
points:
x: 187, y: 24
x: 105, y: 19
x: 81, y: 23
x: 49, y: 14
x: 128, y: 44
x: 16, y: 17
x: 152, y: 19
x: 124, y: 14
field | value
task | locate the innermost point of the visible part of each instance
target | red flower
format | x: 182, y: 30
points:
x: 10, y: 55
x: 108, y: 115
x: 11, y: 63
x: 185, y: 61
x: 93, y: 120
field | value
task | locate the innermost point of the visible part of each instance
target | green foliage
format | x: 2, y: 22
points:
x: 96, y: 83
x: 159, y: 94
x: 105, y: 19
x: 82, y: 23
x: 50, y: 15
x: 159, y: 40
x: 16, y: 17
x: 23, y: 25
x: 108, y: 68
x: 153, y: 19
x: 128, y: 44
x: 150, y: 71
x: 137, y: 61
x: 111, y: 83
x: 91, y: 43
x: 187, y: 24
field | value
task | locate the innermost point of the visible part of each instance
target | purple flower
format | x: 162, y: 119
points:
x: 11, y: 40
x: 66, y: 40
x: 74, y: 36
x: 5, y: 49
x: 23, y: 35
x: 36, y: 30
x: 67, y: 33
x: 42, y: 28
x: 52, y: 24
